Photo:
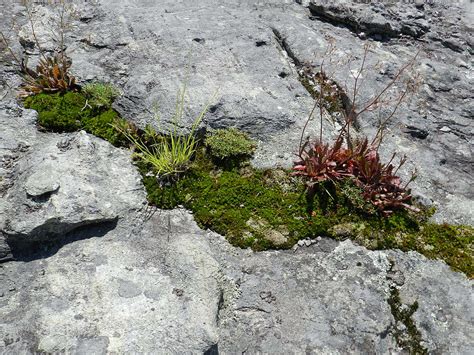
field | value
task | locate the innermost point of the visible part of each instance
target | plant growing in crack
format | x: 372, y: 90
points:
x: 169, y: 154
x: 52, y: 73
x: 356, y: 158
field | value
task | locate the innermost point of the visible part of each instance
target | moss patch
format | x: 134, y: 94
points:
x: 58, y: 112
x: 405, y: 331
x: 265, y: 209
x: 71, y: 111
x: 229, y: 143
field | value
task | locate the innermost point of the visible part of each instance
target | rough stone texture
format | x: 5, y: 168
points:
x: 248, y: 52
x: 160, y: 284
x: 125, y: 278
x: 54, y: 183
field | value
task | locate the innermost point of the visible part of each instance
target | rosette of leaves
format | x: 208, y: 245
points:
x: 50, y: 76
x: 320, y: 162
x: 378, y: 182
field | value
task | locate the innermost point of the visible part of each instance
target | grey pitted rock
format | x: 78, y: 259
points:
x: 159, y: 284
x: 152, y: 281
x: 249, y: 52
x: 61, y: 182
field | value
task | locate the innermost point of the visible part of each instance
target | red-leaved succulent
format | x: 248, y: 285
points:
x: 321, y: 162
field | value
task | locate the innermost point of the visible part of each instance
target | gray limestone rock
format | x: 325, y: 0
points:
x: 62, y: 182
x: 159, y: 284
x: 153, y: 282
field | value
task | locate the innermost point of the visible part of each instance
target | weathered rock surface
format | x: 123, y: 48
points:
x: 112, y: 275
x: 53, y: 184
x: 160, y: 284
x: 249, y: 53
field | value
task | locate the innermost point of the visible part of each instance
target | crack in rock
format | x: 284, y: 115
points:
x: 404, y: 330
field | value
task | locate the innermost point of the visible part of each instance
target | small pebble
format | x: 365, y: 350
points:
x: 445, y: 129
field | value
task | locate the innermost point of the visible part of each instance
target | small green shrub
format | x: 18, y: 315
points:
x: 229, y: 143
x: 100, y: 95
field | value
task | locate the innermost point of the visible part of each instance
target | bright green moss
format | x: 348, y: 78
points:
x: 100, y: 95
x: 71, y: 111
x: 59, y: 112
x: 253, y: 209
x: 229, y: 143
x: 103, y: 126
x: 266, y: 209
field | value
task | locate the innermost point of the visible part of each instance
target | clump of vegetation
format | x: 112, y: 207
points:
x: 68, y: 112
x: 361, y: 162
x: 169, y: 154
x: 356, y: 159
x: 230, y: 143
x: 59, y: 112
x: 52, y: 73
x: 103, y: 125
x: 252, y: 209
x: 100, y: 95
x: 50, y: 76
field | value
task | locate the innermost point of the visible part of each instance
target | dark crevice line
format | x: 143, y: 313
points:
x: 25, y: 249
x: 345, y: 101
x: 404, y: 330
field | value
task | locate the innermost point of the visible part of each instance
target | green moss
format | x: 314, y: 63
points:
x: 103, y: 126
x: 100, y: 95
x: 404, y: 330
x: 265, y: 209
x: 70, y: 112
x: 227, y: 201
x: 59, y: 112
x: 229, y: 143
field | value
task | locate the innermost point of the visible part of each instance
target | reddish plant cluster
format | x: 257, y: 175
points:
x: 51, y: 75
x: 321, y: 162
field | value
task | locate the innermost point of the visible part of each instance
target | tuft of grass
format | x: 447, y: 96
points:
x: 100, y: 95
x: 230, y: 143
x: 168, y: 154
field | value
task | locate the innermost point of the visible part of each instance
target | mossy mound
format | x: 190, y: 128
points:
x: 58, y: 112
x: 267, y: 209
x: 229, y: 144
x: 71, y: 111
